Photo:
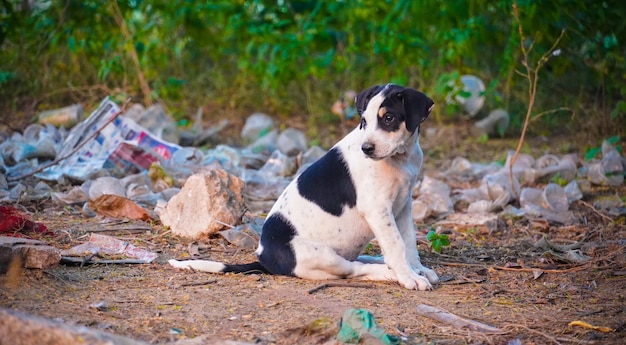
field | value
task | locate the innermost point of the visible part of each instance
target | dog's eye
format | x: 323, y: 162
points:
x: 388, y: 119
x: 363, y: 123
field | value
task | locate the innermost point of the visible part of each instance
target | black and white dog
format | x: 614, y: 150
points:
x: 360, y: 190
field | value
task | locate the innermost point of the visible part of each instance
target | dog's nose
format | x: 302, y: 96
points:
x: 368, y: 148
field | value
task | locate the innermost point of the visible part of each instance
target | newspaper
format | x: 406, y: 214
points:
x: 123, y: 147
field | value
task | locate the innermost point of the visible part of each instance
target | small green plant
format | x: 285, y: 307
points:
x: 369, y: 249
x: 437, y: 241
x: 559, y: 180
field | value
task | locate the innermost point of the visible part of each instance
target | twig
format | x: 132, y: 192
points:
x: 328, y: 285
x: 572, y: 269
x: 552, y: 339
x: 100, y: 87
x: 131, y: 229
x: 456, y: 321
x: 73, y: 260
x: 59, y: 159
x: 205, y: 282
x: 551, y: 111
x: 119, y: 19
x: 532, y: 75
x: 596, y: 211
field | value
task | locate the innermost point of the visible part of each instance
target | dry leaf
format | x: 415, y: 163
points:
x: 116, y: 206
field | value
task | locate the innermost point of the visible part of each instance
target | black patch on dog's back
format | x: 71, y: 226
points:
x: 277, y: 256
x: 328, y: 184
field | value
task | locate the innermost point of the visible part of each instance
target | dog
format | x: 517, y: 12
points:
x: 359, y: 190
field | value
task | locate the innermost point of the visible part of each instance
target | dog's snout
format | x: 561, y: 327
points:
x: 368, y: 148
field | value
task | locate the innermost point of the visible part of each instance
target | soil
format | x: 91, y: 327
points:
x: 494, y: 277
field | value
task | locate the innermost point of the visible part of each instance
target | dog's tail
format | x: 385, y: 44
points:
x: 218, y: 267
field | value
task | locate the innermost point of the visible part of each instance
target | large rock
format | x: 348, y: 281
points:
x: 17, y: 328
x: 32, y: 253
x: 207, y: 203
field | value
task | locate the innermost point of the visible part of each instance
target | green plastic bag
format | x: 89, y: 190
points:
x: 359, y: 323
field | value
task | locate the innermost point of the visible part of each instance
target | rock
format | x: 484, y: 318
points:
x: 206, y: 204
x: 17, y: 328
x: 209, y: 339
x: 34, y: 254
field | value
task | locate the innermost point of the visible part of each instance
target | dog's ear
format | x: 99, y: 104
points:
x: 364, y: 97
x: 417, y: 107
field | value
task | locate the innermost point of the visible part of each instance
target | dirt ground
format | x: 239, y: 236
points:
x: 497, y: 278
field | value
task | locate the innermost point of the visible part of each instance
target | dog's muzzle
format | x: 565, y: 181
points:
x: 368, y: 149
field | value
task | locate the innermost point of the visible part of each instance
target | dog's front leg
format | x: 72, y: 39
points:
x: 385, y: 229
x: 407, y: 231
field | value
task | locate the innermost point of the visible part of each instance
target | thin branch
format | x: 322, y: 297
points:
x: 532, y: 75
x: 89, y: 138
x: 609, y: 219
x: 100, y: 87
x: 119, y: 19
x: 547, y: 112
x: 327, y: 285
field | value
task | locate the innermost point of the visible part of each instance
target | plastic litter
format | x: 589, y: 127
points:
x: 107, y: 245
x: 37, y: 141
x: 14, y: 223
x: 609, y: 170
x: 66, y: 116
x: 244, y: 235
x: 357, y: 325
x: 496, y: 123
x: 155, y: 120
x: 433, y: 199
x: 611, y: 204
x: 291, y: 141
x: 122, y: 146
x: 257, y: 125
x: 550, y: 204
x: 106, y: 185
x: 476, y: 89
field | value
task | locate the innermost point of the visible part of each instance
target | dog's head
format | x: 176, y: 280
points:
x: 390, y: 116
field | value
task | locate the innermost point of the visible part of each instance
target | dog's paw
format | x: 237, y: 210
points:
x: 415, y: 282
x: 433, y: 278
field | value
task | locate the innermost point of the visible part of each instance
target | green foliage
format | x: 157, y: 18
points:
x: 437, y: 241
x: 593, y: 152
x: 297, y: 57
x: 559, y: 180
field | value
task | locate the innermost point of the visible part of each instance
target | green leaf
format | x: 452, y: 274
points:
x: 591, y: 153
x: 437, y: 241
x: 71, y: 44
x: 612, y: 140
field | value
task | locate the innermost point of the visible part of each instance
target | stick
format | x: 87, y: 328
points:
x: 81, y: 144
x: 73, y: 260
x: 532, y: 75
x: 205, y: 282
x: 117, y: 15
x: 327, y: 285
x: 456, y: 321
x: 596, y: 211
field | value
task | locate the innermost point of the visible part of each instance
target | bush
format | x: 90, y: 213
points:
x: 295, y: 57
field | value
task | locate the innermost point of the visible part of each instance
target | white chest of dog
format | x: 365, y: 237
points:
x: 358, y: 191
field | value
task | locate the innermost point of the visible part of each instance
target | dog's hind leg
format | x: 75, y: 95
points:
x: 318, y: 262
